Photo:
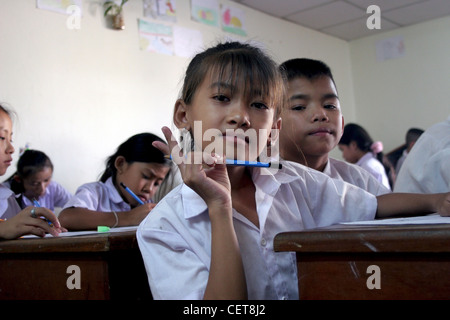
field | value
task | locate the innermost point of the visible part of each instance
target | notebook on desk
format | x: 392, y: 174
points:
x: 433, y: 218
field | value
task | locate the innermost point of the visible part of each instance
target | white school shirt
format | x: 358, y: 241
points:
x: 175, y: 239
x: 371, y: 164
x: 427, y: 167
x: 8, y: 203
x: 98, y: 196
x: 55, y: 196
x: 355, y: 175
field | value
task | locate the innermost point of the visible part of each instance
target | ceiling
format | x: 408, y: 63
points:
x: 346, y: 19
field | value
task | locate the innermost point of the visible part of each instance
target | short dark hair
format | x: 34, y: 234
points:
x: 412, y: 135
x: 305, y: 68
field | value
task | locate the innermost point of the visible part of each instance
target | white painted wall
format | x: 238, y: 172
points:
x: 411, y: 91
x: 80, y: 93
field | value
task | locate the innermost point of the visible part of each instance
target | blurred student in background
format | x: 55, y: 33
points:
x: 427, y: 167
x: 33, y: 181
x: 14, y: 221
x: 358, y: 147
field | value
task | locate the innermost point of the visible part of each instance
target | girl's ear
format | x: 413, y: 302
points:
x: 180, y: 118
x: 17, y: 179
x: 275, y: 132
x: 120, y: 164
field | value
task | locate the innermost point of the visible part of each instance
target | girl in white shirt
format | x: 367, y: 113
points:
x: 137, y: 165
x: 313, y: 124
x: 212, y: 236
x: 33, y: 181
x: 15, y: 222
x: 358, y: 147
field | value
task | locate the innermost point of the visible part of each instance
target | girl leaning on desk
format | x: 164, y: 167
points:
x: 14, y: 221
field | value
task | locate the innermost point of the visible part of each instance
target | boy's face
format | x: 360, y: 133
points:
x: 313, y: 120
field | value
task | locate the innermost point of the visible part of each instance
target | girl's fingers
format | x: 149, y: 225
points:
x: 47, y: 214
x: 164, y: 148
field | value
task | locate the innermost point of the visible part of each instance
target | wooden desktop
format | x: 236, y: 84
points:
x: 108, y: 266
x: 347, y: 261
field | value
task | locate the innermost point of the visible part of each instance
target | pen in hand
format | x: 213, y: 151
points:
x: 132, y: 193
x: 36, y: 204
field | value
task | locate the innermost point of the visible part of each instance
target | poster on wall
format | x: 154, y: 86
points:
x: 233, y: 20
x: 390, y: 48
x: 155, y: 37
x: 160, y: 10
x: 187, y: 42
x: 206, y: 12
x: 59, y: 6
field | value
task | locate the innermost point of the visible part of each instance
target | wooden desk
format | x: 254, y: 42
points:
x: 111, y: 267
x: 332, y: 263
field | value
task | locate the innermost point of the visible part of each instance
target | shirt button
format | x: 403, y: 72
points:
x: 263, y: 242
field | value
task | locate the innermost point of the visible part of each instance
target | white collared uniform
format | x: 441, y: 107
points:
x: 427, y: 167
x: 175, y: 238
x: 8, y: 203
x: 355, y: 175
x: 98, y: 196
x: 375, y: 167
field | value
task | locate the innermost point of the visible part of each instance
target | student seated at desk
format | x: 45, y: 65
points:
x: 19, y: 221
x: 312, y: 124
x: 412, y: 135
x: 427, y: 167
x: 136, y: 165
x: 33, y: 182
x: 212, y: 236
x: 358, y: 147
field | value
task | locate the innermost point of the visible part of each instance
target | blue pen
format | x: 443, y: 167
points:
x: 231, y: 162
x: 36, y: 204
x: 131, y: 193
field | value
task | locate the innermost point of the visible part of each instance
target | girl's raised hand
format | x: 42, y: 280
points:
x: 206, y: 174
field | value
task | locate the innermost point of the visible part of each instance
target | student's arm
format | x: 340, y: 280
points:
x: 226, y: 278
x: 74, y: 218
x: 394, y: 204
x: 226, y: 275
x: 23, y: 223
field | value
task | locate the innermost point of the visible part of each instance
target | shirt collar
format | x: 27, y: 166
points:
x: 266, y: 180
x: 115, y: 196
x: 365, y: 157
x: 5, y: 192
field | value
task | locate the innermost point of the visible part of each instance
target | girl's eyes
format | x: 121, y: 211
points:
x: 259, y: 105
x: 4, y: 139
x: 224, y: 98
x: 330, y: 106
x: 221, y: 98
x: 145, y: 177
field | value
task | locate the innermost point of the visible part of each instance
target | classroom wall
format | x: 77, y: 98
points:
x: 80, y: 93
x: 394, y: 95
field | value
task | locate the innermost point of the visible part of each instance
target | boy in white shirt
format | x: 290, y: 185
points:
x: 427, y: 167
x: 313, y: 124
x: 212, y: 236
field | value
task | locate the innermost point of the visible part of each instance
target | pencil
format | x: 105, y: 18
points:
x: 131, y: 193
x: 245, y: 163
x: 37, y: 204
